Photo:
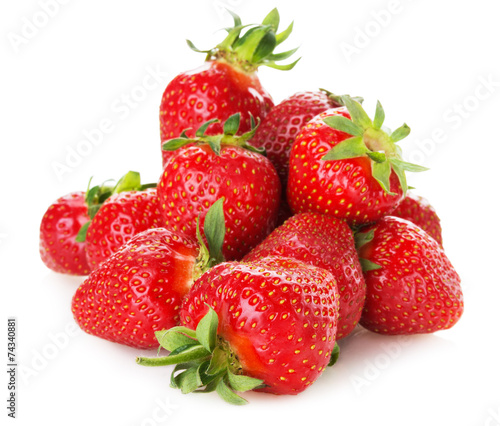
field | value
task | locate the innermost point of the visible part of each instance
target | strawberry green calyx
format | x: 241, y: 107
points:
x: 361, y: 238
x: 204, y: 361
x: 338, y: 98
x: 229, y: 137
x: 95, y: 196
x: 370, y: 140
x: 254, y: 47
x: 214, y: 230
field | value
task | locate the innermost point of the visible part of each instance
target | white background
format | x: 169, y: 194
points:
x: 434, y: 65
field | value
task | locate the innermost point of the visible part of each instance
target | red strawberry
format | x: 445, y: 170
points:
x: 60, y: 225
x: 411, y: 285
x: 227, y: 83
x: 328, y: 243
x: 138, y: 289
x: 207, y: 168
x: 276, y: 321
x: 283, y: 123
x: 121, y: 217
x: 417, y: 210
x: 359, y: 178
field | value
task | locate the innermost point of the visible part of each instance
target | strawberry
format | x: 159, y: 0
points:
x: 411, y: 285
x: 227, y: 83
x: 60, y: 225
x: 139, y: 288
x: 206, y: 168
x: 131, y: 209
x: 285, y: 120
x: 328, y: 243
x: 267, y: 325
x: 359, y: 178
x: 417, y: 210
x: 65, y: 223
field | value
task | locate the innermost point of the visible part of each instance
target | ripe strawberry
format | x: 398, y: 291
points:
x: 328, y: 243
x: 121, y: 217
x: 411, y: 285
x: 417, y: 210
x: 359, y: 178
x: 227, y: 83
x: 60, y: 225
x: 283, y: 123
x: 207, y: 168
x: 267, y: 325
x: 63, y: 227
x: 138, y: 289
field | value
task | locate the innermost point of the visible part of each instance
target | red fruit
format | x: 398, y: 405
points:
x: 359, y: 178
x: 283, y: 123
x: 226, y: 84
x: 138, y: 289
x: 411, y: 285
x: 121, y: 217
x: 208, y: 168
x: 328, y: 243
x: 417, y: 210
x: 60, y: 225
x: 276, y: 321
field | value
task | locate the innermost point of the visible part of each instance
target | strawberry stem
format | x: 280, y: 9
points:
x: 205, y: 361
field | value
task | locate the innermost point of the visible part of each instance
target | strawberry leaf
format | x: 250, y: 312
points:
x: 203, y: 128
x: 272, y: 19
x: 335, y: 355
x: 206, y: 331
x: 400, y: 133
x: 362, y: 238
x: 379, y: 116
x: 176, y: 143
x: 368, y: 265
x: 228, y: 395
x: 82, y: 233
x: 232, y: 124
x: 243, y: 383
x: 350, y: 148
x: 339, y: 122
x: 358, y: 114
x: 172, y: 339
x: 215, y: 231
x: 409, y: 167
x: 382, y: 173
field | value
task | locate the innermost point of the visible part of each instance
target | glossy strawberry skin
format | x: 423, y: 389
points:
x: 281, y: 126
x: 121, y: 217
x: 279, y: 317
x: 417, y: 290
x: 418, y: 210
x: 137, y: 290
x: 214, y: 90
x: 195, y: 178
x: 60, y: 225
x: 344, y: 189
x: 328, y: 243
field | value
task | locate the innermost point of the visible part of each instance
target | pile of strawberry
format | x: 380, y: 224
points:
x: 272, y: 232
